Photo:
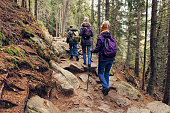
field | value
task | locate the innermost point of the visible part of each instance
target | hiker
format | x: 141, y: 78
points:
x: 86, y: 32
x: 106, y: 47
x: 73, y: 39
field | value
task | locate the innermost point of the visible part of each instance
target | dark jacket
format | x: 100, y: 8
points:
x: 100, y: 44
x: 70, y: 34
x: 85, y: 41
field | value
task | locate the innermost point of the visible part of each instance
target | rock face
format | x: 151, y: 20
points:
x: 138, y: 110
x: 130, y: 91
x: 68, y: 76
x: 60, y: 48
x: 158, y: 107
x: 80, y: 110
x: 40, y: 105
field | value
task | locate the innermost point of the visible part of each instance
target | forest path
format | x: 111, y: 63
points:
x: 93, y: 98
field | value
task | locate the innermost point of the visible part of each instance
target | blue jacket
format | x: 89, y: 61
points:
x: 100, y: 44
x: 85, y: 41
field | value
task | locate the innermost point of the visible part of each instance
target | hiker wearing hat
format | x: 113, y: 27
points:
x: 86, y: 32
x: 73, y: 39
x: 106, y: 47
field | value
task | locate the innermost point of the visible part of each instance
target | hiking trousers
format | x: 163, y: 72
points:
x: 73, y: 47
x: 88, y: 53
x: 103, y: 73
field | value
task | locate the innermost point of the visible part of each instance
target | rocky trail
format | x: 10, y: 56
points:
x: 36, y: 75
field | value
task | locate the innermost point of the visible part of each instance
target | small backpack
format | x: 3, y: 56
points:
x: 109, y: 48
x: 75, y: 36
x: 87, y: 31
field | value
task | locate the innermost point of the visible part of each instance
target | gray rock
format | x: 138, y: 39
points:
x: 158, y: 107
x: 60, y: 49
x: 40, y: 105
x: 69, y: 77
x: 105, y: 108
x: 84, y: 78
x: 123, y: 102
x: 128, y: 90
x: 39, y: 42
x: 76, y: 102
x: 113, y: 78
x: 138, y: 110
x: 76, y: 67
x: 80, y: 110
x: 117, y: 111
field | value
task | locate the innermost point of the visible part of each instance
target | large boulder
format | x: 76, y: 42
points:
x: 61, y: 49
x: 138, y: 110
x: 128, y: 90
x: 69, y: 77
x: 158, y: 107
x: 66, y: 88
x: 39, y: 42
x: 80, y: 110
x: 40, y: 105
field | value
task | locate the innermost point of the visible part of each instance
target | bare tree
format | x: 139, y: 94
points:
x: 98, y: 16
x: 64, y: 16
x: 107, y: 10
x: 152, y: 79
x: 146, y: 23
x: 35, y: 10
x: 166, y: 98
x: 137, y: 42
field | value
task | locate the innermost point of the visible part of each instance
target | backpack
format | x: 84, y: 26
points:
x: 87, y: 32
x: 75, y: 36
x: 109, y: 48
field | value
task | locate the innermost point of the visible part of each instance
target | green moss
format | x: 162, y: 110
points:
x: 12, y: 51
x: 22, y: 51
x: 2, y: 39
x: 26, y: 33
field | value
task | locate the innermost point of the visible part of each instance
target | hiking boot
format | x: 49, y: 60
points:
x: 89, y: 65
x: 106, y: 91
x: 71, y: 57
x: 77, y: 58
x: 84, y: 63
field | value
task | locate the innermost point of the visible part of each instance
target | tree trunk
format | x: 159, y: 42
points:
x: 107, y: 10
x: 98, y: 16
x: 137, y: 42
x: 166, y: 98
x: 23, y: 3
x: 152, y: 79
x: 79, y: 14
x: 60, y: 28
x: 146, y: 23
x: 92, y: 12
x: 64, y: 17
x: 15, y: 1
x: 29, y: 3
x: 35, y: 10
x: 57, y: 13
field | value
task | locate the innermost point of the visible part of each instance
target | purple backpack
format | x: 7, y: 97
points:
x: 109, y: 48
x: 87, y: 32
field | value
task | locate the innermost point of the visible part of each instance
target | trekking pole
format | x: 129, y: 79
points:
x: 89, y: 74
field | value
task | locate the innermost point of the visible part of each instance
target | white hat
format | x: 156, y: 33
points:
x: 106, y: 22
x: 86, y: 19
